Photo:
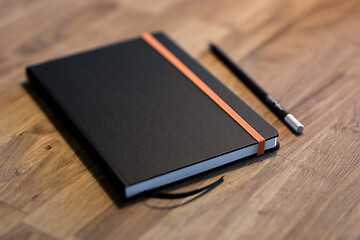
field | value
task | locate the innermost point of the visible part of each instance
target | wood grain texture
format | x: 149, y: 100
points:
x: 305, y: 53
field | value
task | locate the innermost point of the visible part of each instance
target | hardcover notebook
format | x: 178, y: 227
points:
x: 144, y: 119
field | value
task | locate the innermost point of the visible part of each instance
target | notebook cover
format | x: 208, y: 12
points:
x: 141, y: 116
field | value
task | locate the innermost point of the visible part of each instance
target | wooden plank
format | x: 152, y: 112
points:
x: 10, y: 217
x: 23, y: 231
x: 253, y: 25
x: 36, y: 162
x: 71, y: 208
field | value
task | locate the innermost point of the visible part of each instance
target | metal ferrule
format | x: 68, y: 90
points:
x: 294, y: 123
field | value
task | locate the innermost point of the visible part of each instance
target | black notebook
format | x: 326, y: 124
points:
x: 143, y: 118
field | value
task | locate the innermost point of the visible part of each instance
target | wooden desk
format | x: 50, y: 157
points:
x: 305, y: 53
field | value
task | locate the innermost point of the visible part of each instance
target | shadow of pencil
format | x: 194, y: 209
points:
x: 103, y: 174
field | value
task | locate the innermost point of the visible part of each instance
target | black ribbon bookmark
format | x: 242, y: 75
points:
x: 204, y: 190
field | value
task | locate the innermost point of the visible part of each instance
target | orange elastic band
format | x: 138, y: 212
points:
x: 153, y: 42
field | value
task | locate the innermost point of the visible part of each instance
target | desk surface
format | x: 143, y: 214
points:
x: 305, y: 53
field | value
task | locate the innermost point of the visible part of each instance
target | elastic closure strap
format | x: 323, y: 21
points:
x: 154, y: 43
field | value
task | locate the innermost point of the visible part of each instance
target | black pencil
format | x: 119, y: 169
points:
x: 266, y: 98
